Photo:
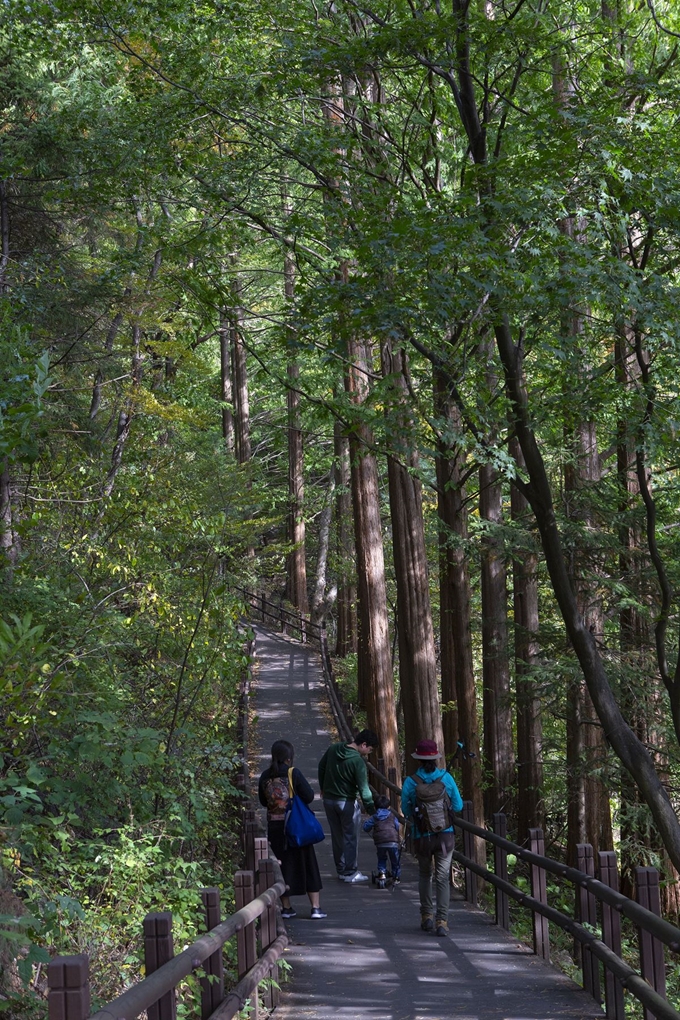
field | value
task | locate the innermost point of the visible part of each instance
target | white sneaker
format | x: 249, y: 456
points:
x: 356, y: 877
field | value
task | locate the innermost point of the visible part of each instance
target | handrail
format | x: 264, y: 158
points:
x: 136, y: 999
x: 236, y: 999
x: 299, y: 622
x: 656, y: 926
x: 628, y: 977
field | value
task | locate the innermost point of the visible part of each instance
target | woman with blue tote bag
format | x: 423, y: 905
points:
x: 298, y: 863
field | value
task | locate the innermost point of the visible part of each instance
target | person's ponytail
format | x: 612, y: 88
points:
x: 282, y: 753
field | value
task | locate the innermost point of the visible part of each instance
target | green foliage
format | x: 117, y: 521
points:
x: 146, y: 148
x: 25, y: 381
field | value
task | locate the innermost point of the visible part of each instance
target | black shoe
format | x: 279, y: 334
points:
x: 442, y: 931
x: 288, y: 912
x: 427, y: 924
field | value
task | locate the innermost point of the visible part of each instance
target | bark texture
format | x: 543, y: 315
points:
x: 417, y: 658
x: 375, y: 660
x: 496, y: 697
x: 458, y: 679
x: 226, y: 387
x: 346, y: 634
x: 239, y: 370
x: 530, y: 811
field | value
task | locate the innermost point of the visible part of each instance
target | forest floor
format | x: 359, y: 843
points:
x: 368, y: 958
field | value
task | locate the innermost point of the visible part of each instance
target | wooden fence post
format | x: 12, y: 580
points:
x: 266, y: 879
x: 500, y: 866
x: 540, y: 892
x: 68, y: 982
x: 586, y: 911
x: 469, y: 851
x: 158, y: 949
x: 250, y: 828
x: 611, y: 935
x: 260, y: 851
x: 246, y: 947
x: 212, y: 985
x: 651, y: 950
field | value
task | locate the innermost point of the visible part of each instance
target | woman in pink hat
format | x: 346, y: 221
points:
x: 428, y: 800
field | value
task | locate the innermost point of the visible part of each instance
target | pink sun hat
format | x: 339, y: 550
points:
x: 426, y: 749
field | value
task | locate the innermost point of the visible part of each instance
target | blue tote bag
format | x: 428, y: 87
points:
x: 301, y: 826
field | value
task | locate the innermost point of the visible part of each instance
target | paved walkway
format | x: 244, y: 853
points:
x: 369, y: 958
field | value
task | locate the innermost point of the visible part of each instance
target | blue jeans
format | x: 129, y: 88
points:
x: 344, y: 818
x: 391, y: 852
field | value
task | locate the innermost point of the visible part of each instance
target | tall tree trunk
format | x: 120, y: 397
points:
x: 417, y: 657
x: 458, y: 679
x: 530, y: 805
x: 375, y: 661
x: 8, y: 540
x: 589, y: 817
x: 346, y: 637
x: 296, y: 573
x: 496, y: 698
x: 226, y: 386
x: 588, y: 812
x: 320, y: 600
x: 497, y: 708
x: 240, y: 377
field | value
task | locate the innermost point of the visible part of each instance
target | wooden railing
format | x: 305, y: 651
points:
x: 257, y: 893
x: 290, y: 621
x: 257, y: 890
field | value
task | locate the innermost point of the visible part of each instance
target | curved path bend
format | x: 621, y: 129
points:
x: 368, y: 958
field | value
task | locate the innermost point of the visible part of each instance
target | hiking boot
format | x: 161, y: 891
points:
x: 317, y: 913
x: 427, y: 924
x: 356, y: 877
x: 442, y: 929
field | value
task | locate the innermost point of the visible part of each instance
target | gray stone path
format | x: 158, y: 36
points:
x: 369, y: 957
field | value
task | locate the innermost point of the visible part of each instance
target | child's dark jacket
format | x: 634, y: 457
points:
x: 384, y: 825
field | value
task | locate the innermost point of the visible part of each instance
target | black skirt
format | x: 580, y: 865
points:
x: 298, y: 864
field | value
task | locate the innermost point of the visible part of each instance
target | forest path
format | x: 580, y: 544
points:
x: 368, y: 958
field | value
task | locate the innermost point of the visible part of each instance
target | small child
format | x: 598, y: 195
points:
x: 385, y: 826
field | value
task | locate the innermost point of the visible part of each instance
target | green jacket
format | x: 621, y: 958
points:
x: 343, y: 776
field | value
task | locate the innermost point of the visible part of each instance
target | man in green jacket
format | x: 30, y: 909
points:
x: 343, y: 777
